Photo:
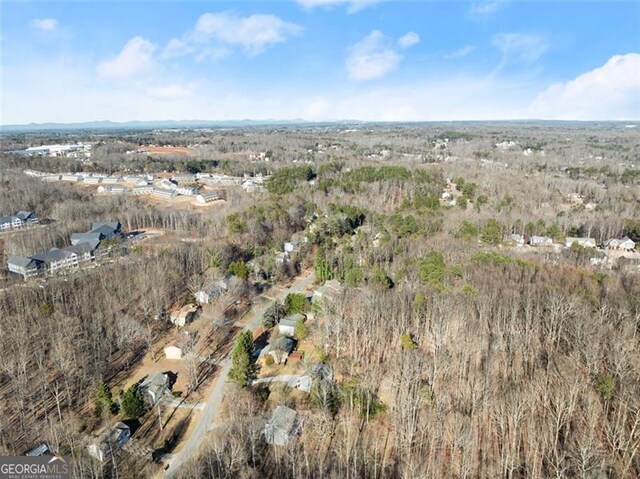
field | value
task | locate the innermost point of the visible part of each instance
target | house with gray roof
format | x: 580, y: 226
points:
x: 109, y: 441
x: 51, y: 261
x: 331, y: 290
x: 155, y: 387
x: 108, y: 228
x: 279, y: 349
x: 56, y: 259
x: 91, y: 238
x: 282, y: 427
x: 20, y: 219
x: 27, y: 267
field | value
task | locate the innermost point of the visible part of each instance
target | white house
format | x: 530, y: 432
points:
x: 186, y: 190
x: 92, y: 180
x: 540, y: 241
x: 624, y: 244
x: 163, y: 193
x: 287, y: 325
x: 70, y: 177
x: 184, y: 315
x: 208, y: 197
x: 142, y: 190
x: 517, y: 239
x: 584, y: 242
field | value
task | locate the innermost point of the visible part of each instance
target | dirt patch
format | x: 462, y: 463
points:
x: 174, y: 150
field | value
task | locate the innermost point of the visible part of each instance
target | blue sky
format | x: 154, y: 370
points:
x: 319, y: 60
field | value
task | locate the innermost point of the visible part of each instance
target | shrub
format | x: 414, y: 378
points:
x: 606, y: 386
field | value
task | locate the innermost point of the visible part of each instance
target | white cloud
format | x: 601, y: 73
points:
x: 216, y: 33
x: 461, y: 52
x: 408, y: 40
x: 520, y: 47
x: 317, y: 109
x: 375, y: 56
x: 173, y: 91
x: 486, y: 8
x: 609, y: 92
x: 44, y: 24
x: 136, y: 57
x: 353, y: 6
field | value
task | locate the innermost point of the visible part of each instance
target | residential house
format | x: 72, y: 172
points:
x: 92, y: 238
x: 109, y: 441
x: 40, y: 450
x: 540, y: 241
x: 56, y: 259
x: 93, y: 180
x: 287, y: 325
x: 208, y: 197
x: 20, y: 219
x: 71, y: 177
x: 27, y: 216
x: 109, y: 229
x: 51, y: 261
x: 517, y: 239
x: 111, y: 180
x: 51, y: 178
x: 331, y: 290
x: 183, y: 178
x: 279, y: 349
x: 209, y: 294
x: 155, y: 387
x: 186, y: 190
x: 164, y: 193
x: 27, y: 267
x: 221, y: 180
x: 282, y: 427
x: 584, y: 242
x: 142, y: 190
x: 185, y: 315
x: 624, y: 244
x: 168, y: 184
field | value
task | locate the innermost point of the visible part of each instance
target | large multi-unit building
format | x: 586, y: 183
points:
x: 83, y: 248
x: 164, y: 193
x: 19, y: 220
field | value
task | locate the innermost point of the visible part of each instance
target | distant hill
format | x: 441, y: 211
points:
x: 146, y: 125
x: 112, y: 125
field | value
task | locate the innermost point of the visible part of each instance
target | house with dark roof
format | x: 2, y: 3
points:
x: 27, y: 267
x: 20, y: 219
x: 109, y: 229
x: 155, y: 387
x: 55, y: 259
x: 279, y: 349
x: 109, y: 441
x: 91, y: 238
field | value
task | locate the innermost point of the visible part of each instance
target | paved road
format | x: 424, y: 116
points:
x: 216, y: 395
